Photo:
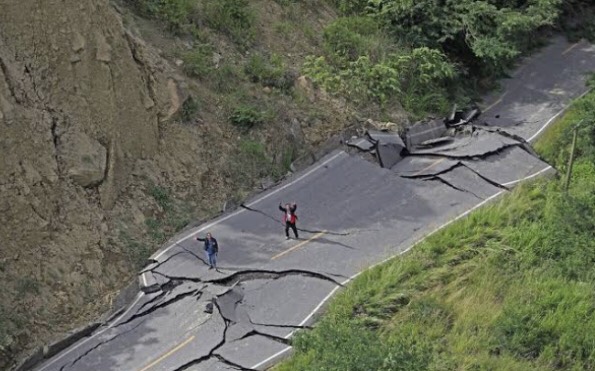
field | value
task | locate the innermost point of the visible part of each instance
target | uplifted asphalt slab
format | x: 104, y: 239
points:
x: 352, y: 214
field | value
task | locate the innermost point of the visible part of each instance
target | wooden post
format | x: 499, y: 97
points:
x: 571, y: 159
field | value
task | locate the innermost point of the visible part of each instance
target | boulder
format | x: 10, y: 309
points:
x: 82, y: 158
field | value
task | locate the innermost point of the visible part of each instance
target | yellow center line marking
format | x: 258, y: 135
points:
x: 178, y: 347
x: 570, y: 48
x: 299, y: 245
x: 495, y: 103
x: 429, y: 167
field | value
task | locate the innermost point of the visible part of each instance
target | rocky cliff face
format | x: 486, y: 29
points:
x: 98, y: 168
x: 83, y: 105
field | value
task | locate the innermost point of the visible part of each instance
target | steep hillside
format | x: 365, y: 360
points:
x: 83, y: 111
x: 121, y: 122
x: 104, y: 157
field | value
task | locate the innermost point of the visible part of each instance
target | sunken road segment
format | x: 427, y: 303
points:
x: 353, y: 214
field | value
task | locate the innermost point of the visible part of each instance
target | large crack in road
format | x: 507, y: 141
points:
x: 450, y: 164
x: 225, y: 291
x: 397, y: 187
x: 97, y: 346
x: 227, y: 307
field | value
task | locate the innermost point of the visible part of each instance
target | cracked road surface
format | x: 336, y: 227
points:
x: 353, y: 214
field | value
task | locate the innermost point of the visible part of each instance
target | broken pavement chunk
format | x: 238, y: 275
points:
x: 228, y: 303
x: 361, y: 143
x: 389, y: 147
x: 481, y: 143
x: 148, y: 283
x: 507, y: 166
x: 453, y: 115
x: 381, y: 137
x: 471, y: 115
x: 424, y: 131
x: 388, y: 154
x: 466, y: 180
x: 419, y: 166
x: 433, y: 142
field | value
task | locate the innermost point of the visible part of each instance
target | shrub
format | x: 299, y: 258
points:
x: 349, y: 7
x: 250, y: 163
x: 487, y: 34
x: 246, y: 117
x: 269, y: 72
x: 198, y: 61
x: 352, y: 37
x: 410, y: 77
x: 189, y: 109
x: 578, y: 19
x: 233, y: 17
x: 175, y: 13
x: 137, y: 252
x: 161, y: 195
x: 226, y: 78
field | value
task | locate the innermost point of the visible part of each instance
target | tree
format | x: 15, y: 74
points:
x: 486, y: 34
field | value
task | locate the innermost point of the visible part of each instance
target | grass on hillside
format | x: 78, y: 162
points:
x: 510, y: 287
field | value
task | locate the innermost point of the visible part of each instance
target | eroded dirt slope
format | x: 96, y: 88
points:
x: 98, y: 168
x: 86, y: 135
x: 81, y: 102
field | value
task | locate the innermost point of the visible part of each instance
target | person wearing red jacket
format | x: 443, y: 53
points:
x: 289, y: 218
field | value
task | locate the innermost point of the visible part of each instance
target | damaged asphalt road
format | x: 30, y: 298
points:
x: 353, y: 212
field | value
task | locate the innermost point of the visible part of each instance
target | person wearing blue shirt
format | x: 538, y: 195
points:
x: 211, y: 248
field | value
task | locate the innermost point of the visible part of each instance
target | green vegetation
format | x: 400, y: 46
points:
x: 162, y: 197
x: 418, y: 80
x: 420, y: 55
x: 232, y: 17
x: 172, y: 216
x: 578, y: 19
x: 269, y: 72
x: 136, y: 252
x: 175, y: 13
x: 27, y: 285
x: 510, y: 287
x: 189, y: 110
x: 197, y: 62
x: 10, y: 322
x: 451, y: 48
x: 247, y: 116
x: 250, y: 161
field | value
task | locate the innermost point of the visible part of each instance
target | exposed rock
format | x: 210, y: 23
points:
x: 305, y: 86
x: 71, y: 84
x: 175, y: 102
x: 86, y: 123
x: 104, y: 50
x: 383, y: 126
x: 217, y: 59
x: 83, y: 158
x: 78, y: 42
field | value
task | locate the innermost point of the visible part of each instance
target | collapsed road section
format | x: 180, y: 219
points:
x: 467, y: 157
x: 357, y: 206
x: 355, y: 210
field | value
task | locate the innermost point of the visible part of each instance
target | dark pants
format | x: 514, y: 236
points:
x: 293, y: 228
